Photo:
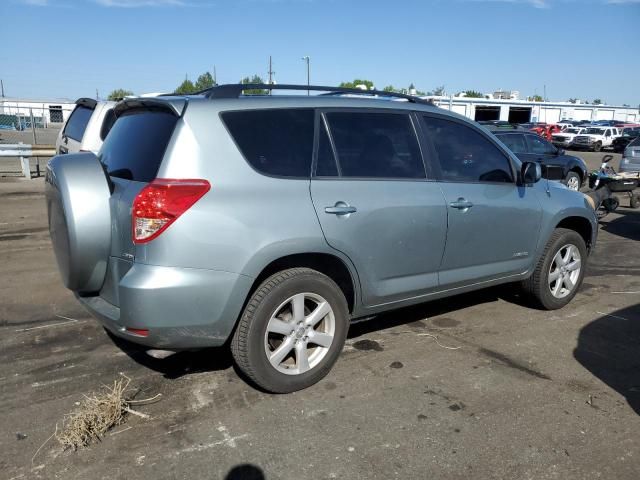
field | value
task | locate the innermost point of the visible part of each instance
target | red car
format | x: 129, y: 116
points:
x: 545, y: 130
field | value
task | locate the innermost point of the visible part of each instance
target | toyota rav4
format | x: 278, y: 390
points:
x: 268, y: 223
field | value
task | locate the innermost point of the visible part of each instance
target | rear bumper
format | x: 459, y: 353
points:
x: 182, y: 308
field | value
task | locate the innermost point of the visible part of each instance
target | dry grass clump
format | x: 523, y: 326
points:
x: 95, y: 415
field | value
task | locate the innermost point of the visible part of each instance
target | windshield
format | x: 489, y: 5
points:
x: 573, y: 130
x: 595, y: 131
x: 631, y: 133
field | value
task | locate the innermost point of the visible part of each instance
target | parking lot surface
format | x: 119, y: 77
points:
x: 475, y: 386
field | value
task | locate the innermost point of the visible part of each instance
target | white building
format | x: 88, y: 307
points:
x: 521, y: 111
x: 45, y: 112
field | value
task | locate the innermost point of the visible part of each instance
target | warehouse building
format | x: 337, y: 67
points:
x: 521, y: 111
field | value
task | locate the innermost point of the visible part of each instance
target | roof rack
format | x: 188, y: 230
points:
x: 234, y: 90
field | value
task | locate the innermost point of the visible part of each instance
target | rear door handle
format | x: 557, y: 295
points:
x: 461, y: 204
x: 340, y: 208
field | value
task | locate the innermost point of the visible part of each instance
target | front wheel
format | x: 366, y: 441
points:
x: 635, y: 201
x: 597, y: 147
x: 291, y: 331
x: 572, y: 181
x: 559, y: 272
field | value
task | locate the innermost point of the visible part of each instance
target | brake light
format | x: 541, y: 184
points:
x: 161, y: 202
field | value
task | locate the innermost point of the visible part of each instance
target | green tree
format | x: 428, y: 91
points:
x: 473, y: 94
x: 254, y: 91
x: 356, y: 82
x: 204, y: 81
x: 573, y: 100
x: 186, y: 88
x: 390, y: 88
x: 597, y: 101
x: 536, y: 98
x: 118, y: 94
x: 438, y: 91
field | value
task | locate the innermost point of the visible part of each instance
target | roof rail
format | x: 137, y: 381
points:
x: 234, y: 90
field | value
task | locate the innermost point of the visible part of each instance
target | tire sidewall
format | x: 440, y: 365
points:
x: 270, y: 378
x: 545, y: 295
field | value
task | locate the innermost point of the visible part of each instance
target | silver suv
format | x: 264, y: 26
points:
x: 87, y: 126
x: 270, y: 222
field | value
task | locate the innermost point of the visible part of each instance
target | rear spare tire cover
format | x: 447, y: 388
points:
x: 77, y: 195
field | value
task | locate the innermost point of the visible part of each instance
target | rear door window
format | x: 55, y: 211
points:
x: 276, y: 142
x: 77, y: 123
x: 540, y: 146
x: 107, y: 123
x: 135, y: 146
x: 466, y: 155
x: 375, y: 145
x: 514, y: 141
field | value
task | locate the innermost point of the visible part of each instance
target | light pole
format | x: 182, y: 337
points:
x: 306, y: 58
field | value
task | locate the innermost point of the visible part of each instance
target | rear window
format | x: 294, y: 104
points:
x: 136, y: 144
x: 77, y: 123
x: 275, y: 142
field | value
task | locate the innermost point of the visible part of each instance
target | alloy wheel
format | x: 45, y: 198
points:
x: 299, y: 333
x: 564, y: 271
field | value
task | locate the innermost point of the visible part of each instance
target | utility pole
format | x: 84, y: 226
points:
x: 97, y: 95
x: 307, y: 59
x: 2, y: 87
x: 215, y: 79
x: 271, y: 72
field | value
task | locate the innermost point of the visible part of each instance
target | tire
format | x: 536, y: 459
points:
x: 597, y: 147
x: 635, y: 201
x: 539, y: 285
x: 270, y: 326
x: 573, y: 181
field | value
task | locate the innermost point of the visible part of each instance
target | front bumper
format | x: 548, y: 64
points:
x: 182, y: 308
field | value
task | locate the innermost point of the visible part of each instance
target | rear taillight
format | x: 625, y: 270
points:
x: 161, y: 202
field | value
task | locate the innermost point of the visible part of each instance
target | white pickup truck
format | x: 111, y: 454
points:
x: 565, y: 138
x: 596, y: 138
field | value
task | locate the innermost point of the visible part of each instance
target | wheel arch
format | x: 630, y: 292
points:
x: 326, y: 263
x: 580, y: 225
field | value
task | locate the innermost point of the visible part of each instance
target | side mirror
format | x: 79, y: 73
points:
x: 531, y: 172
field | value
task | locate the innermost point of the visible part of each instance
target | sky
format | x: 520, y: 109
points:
x: 584, y: 49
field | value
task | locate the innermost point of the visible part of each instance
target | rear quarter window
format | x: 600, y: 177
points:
x: 136, y: 144
x: 77, y: 123
x: 277, y: 142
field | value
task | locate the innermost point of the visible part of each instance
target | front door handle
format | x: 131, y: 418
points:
x: 340, y: 208
x: 461, y: 204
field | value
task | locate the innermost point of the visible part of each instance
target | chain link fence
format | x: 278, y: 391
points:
x: 29, y: 124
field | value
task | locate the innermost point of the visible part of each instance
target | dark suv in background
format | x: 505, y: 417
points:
x: 530, y: 147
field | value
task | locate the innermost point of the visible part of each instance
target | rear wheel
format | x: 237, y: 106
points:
x: 573, y: 181
x: 635, y: 201
x: 559, y: 272
x: 292, y: 330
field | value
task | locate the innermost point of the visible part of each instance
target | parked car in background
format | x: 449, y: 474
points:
x: 564, y: 124
x: 273, y: 221
x: 564, y: 139
x: 628, y: 135
x: 630, y: 161
x: 557, y: 165
x: 596, y: 138
x: 87, y: 126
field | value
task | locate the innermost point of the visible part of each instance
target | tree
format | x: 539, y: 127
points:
x: 186, y: 88
x: 573, y: 100
x: 390, y: 88
x: 473, y: 94
x: 438, y: 91
x: 254, y: 91
x: 204, y: 81
x: 597, y: 101
x: 356, y: 82
x: 536, y: 98
x: 118, y: 94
